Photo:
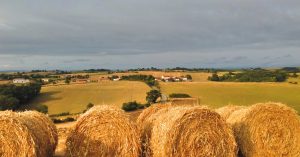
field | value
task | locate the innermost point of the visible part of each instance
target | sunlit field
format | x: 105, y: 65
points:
x: 219, y: 94
x: 74, y: 98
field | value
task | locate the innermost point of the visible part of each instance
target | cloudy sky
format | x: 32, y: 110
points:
x: 77, y: 34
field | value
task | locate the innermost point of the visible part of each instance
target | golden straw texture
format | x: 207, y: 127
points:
x: 226, y: 111
x: 187, y: 131
x: 26, y: 134
x: 267, y: 130
x: 104, y: 131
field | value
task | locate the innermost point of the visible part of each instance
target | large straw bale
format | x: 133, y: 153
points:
x: 146, y: 119
x: 42, y: 125
x: 226, y: 111
x: 104, y: 131
x: 29, y: 134
x: 150, y: 111
x: 267, y: 130
x: 187, y: 131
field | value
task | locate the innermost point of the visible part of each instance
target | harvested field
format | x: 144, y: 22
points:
x: 218, y: 94
x: 74, y: 98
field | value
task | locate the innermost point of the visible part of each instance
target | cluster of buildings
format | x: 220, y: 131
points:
x: 173, y: 79
x: 20, y: 81
x: 88, y: 80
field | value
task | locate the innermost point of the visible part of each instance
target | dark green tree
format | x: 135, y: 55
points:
x: 89, y: 105
x: 179, y: 95
x: 42, y: 109
x: 280, y: 77
x: 152, y: 96
x: 214, y: 77
x: 68, y: 80
x: 130, y: 106
x: 8, y: 102
x: 189, y: 77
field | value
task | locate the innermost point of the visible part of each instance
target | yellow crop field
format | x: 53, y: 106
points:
x: 4, y: 82
x: 197, y: 76
x: 74, y: 98
x: 218, y: 94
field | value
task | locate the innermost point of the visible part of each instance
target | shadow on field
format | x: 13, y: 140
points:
x: 47, y: 96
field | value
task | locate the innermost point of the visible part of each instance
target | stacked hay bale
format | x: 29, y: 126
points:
x: 104, y: 131
x: 147, y: 113
x: 144, y: 122
x: 186, y: 131
x: 44, y: 126
x: 150, y: 111
x: 26, y: 134
x: 267, y: 130
x: 226, y: 111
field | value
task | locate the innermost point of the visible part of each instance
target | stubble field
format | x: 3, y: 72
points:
x: 75, y: 97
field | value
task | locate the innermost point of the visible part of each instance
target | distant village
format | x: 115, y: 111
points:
x: 186, y: 78
x: 82, y: 79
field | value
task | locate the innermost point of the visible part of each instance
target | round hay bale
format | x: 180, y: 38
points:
x: 267, y: 130
x: 146, y: 119
x: 144, y: 122
x: 188, y: 131
x: 226, y: 111
x: 42, y: 125
x: 150, y: 111
x: 22, y: 134
x: 104, y: 131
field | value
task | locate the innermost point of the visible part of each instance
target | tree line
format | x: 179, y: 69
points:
x: 148, y: 79
x: 256, y: 75
x: 25, y: 76
x: 13, y: 96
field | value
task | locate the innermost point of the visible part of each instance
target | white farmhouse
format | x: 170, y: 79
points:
x: 21, y: 80
x: 185, y: 79
x: 45, y: 80
x: 176, y: 79
x: 166, y: 78
x: 117, y: 79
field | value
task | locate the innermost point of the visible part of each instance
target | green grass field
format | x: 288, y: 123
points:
x: 74, y: 98
x: 218, y: 94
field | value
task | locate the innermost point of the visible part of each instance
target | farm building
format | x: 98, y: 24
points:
x: 117, y: 79
x: 81, y: 80
x: 157, y: 78
x: 174, y: 79
x: 45, y: 80
x: 185, y: 79
x: 166, y: 78
x: 21, y: 80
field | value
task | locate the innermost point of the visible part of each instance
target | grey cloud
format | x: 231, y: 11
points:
x: 111, y: 29
x: 237, y: 59
x: 77, y: 60
x: 287, y: 56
